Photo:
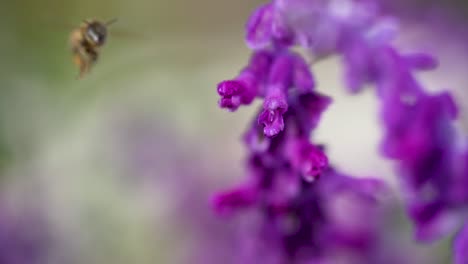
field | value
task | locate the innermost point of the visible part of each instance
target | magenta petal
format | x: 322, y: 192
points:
x: 303, y: 79
x: 272, y: 115
x: 421, y: 61
x: 306, y: 158
x: 228, y: 202
x: 460, y: 246
x: 259, y: 27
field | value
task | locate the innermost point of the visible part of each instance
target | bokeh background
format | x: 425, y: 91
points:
x: 118, y: 167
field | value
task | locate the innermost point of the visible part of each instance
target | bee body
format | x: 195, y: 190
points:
x: 85, y: 43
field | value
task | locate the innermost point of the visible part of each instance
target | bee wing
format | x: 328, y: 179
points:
x: 125, y: 34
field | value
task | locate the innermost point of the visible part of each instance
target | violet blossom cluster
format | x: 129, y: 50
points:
x: 291, y: 184
x: 24, y: 237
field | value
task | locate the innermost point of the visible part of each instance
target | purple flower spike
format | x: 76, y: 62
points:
x: 274, y: 107
x: 306, y: 212
x: 259, y: 27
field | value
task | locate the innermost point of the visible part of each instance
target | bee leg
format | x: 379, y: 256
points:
x: 78, y: 60
x: 82, y: 64
x: 84, y: 68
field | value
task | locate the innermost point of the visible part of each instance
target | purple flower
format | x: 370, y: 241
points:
x: 274, y: 107
x: 290, y: 185
x: 24, y: 238
x: 308, y: 110
x: 266, y: 27
x: 302, y: 76
x: 271, y: 76
x: 337, y: 218
x: 420, y: 134
x: 247, y: 85
x: 289, y: 155
x: 306, y: 158
x: 240, y: 197
x: 288, y: 214
x: 461, y: 246
x: 329, y: 26
x: 421, y: 61
x: 260, y: 26
x: 418, y: 126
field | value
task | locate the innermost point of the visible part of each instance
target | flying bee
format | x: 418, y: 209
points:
x: 86, y: 41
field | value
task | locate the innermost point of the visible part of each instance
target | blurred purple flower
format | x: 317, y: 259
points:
x: 337, y: 219
x: 24, y: 238
x: 461, y: 246
x: 248, y: 84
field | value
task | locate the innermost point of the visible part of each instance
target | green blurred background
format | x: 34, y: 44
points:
x: 67, y: 146
x: 105, y: 159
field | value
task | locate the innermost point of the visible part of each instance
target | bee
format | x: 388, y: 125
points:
x: 86, y: 42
